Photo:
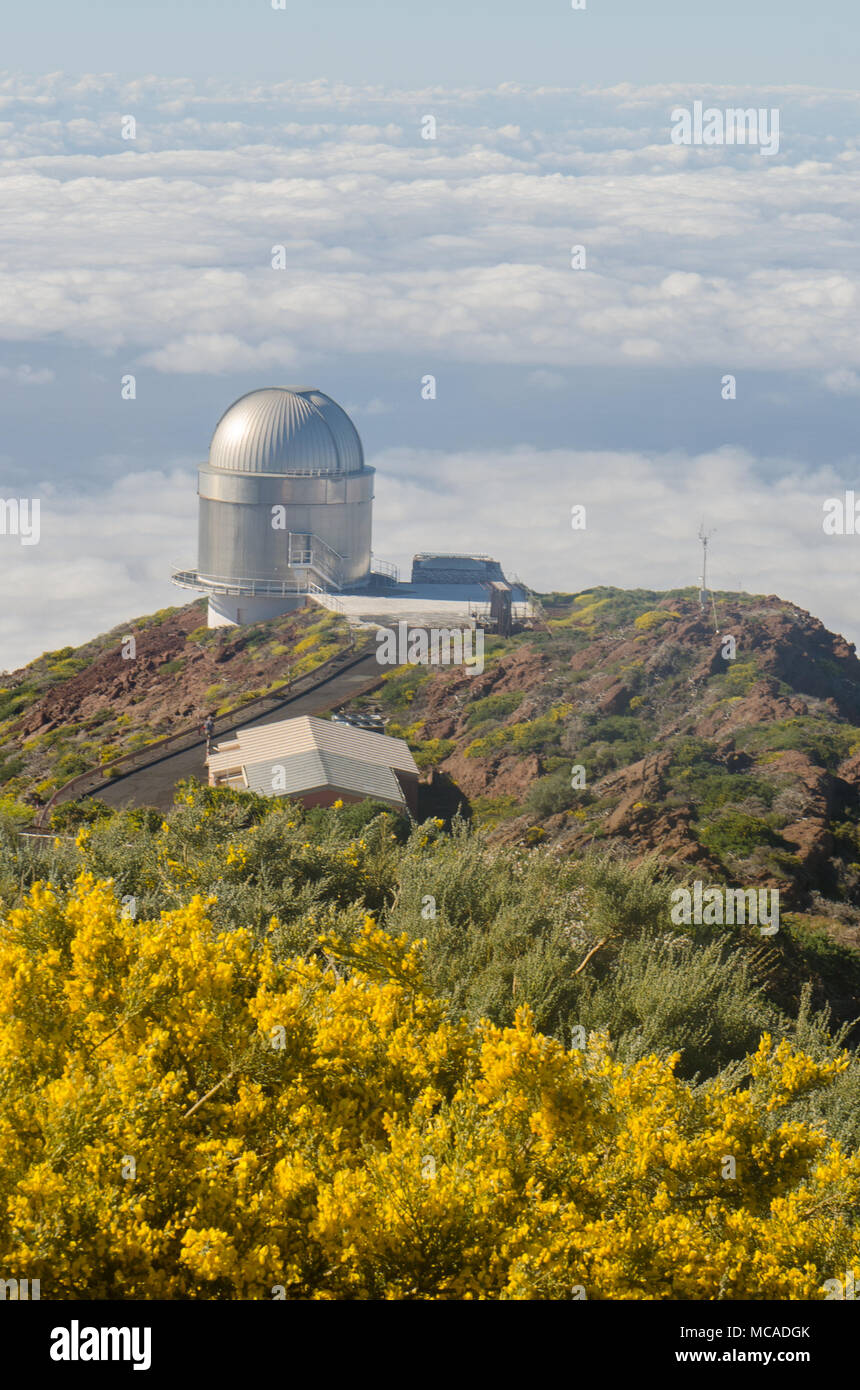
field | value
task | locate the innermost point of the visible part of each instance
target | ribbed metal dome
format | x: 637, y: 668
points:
x: 286, y: 429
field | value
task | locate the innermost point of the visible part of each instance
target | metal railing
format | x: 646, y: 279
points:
x: 519, y: 611
x: 327, y: 600
x: 452, y: 555
x: 306, y: 552
x: 316, y: 544
x: 386, y: 569
x: 312, y: 552
x: 240, y: 588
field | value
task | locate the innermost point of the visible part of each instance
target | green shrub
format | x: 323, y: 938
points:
x: 583, y: 942
x: 14, y: 813
x: 492, y: 810
x: 11, y: 767
x: 14, y: 702
x: 494, y: 706
x: 693, y: 753
x: 822, y: 740
x: 63, y: 670
x: 531, y: 736
x: 739, y: 678
x: 399, y: 686
x: 718, y: 789
x: 71, y: 765
x: 737, y: 833
x: 550, y: 795
x: 618, y: 726
x: 70, y: 815
x: 662, y: 997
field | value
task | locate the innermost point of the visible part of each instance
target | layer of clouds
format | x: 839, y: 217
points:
x: 100, y: 560
x: 103, y: 560
x: 453, y: 251
x: 457, y: 248
x: 643, y: 513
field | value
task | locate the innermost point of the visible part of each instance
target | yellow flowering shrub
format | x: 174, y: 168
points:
x: 193, y: 1113
x: 654, y: 618
x: 527, y: 735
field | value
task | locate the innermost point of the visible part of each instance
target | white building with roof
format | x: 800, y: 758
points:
x: 317, y: 762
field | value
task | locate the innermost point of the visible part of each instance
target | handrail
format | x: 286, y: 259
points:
x: 327, y: 600
x: 532, y: 602
x: 185, y: 578
x: 312, y: 536
x: 480, y: 608
x: 262, y: 705
x: 315, y: 559
x: 312, y: 552
x: 387, y: 568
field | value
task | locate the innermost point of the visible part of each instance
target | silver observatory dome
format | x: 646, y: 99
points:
x: 286, y: 429
x: 285, y: 505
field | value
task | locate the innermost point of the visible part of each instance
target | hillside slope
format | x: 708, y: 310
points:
x: 75, y: 708
x: 744, y: 770
x: 744, y: 767
x: 739, y: 762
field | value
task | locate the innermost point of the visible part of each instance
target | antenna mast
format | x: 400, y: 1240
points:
x: 704, y: 537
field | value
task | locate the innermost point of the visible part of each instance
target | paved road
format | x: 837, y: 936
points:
x: 153, y: 785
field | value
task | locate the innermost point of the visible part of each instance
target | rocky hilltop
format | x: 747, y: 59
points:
x: 727, y: 739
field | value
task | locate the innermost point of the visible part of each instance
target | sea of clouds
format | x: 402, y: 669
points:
x: 158, y: 250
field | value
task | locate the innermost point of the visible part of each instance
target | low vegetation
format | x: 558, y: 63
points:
x: 253, y: 1051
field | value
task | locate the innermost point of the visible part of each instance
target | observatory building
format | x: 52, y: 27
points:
x: 285, y: 506
x: 285, y: 515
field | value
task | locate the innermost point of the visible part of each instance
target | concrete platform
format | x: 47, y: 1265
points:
x: 442, y: 604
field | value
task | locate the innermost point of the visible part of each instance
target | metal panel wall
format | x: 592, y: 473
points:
x: 236, y: 536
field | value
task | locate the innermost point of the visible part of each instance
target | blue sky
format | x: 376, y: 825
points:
x: 397, y: 42
x: 302, y: 128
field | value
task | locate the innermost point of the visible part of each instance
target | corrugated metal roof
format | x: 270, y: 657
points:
x: 283, y: 429
x: 314, y: 769
x: 287, y: 737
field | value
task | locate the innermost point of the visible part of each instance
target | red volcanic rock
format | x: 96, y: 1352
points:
x: 615, y: 700
x: 787, y: 667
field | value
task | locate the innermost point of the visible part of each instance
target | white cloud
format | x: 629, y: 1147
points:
x: 101, y: 560
x: 843, y: 382
x: 25, y: 375
x: 220, y: 352
x: 162, y: 246
x: 643, y: 515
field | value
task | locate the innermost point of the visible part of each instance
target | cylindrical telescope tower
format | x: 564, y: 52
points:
x: 285, y: 506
